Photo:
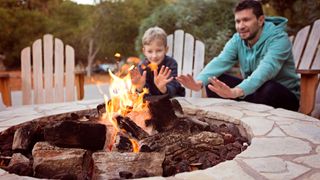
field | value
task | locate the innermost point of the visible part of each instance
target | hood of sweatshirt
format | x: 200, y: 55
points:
x: 272, y: 26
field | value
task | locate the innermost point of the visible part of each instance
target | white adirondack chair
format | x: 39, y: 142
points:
x: 189, y: 53
x: 50, y: 70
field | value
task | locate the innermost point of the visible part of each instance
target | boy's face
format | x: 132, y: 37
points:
x: 155, y: 51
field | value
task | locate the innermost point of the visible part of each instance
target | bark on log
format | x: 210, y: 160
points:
x: 109, y: 165
x: 76, y: 134
x: 131, y: 127
x: 170, y: 142
x: 60, y: 163
x: 162, y: 112
x: 6, y: 141
x: 20, y: 165
x: 183, y: 149
x: 122, y: 143
x: 26, y: 136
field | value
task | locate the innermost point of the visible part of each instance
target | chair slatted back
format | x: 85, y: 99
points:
x: 45, y: 70
x: 306, y: 47
x: 189, y: 54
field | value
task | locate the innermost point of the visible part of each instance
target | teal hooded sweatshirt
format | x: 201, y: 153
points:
x: 270, y: 58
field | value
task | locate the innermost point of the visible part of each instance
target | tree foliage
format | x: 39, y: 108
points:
x: 24, y: 21
x: 299, y: 12
x: 18, y: 29
x: 71, y: 23
x: 116, y: 25
x: 111, y: 26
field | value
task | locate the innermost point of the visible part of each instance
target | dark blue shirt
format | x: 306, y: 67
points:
x: 174, y: 88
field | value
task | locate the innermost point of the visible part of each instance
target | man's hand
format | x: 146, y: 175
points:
x: 224, y: 90
x: 137, y: 80
x: 162, y: 79
x: 188, y: 82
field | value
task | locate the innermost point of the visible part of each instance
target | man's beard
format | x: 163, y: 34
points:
x: 252, y: 36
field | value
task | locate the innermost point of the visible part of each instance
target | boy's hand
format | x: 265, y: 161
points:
x: 162, y: 79
x: 188, y: 82
x: 137, y: 80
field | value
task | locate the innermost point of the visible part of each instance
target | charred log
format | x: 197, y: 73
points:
x: 122, y: 144
x: 177, y: 108
x: 58, y: 163
x: 202, y: 125
x: 190, y: 145
x: 113, y: 164
x: 34, y: 131
x: 125, y: 174
x: 76, y: 134
x: 183, y: 149
x: 26, y: 136
x: 6, y: 140
x: 101, y: 108
x: 4, y: 161
x: 162, y: 113
x: 131, y: 127
x: 20, y: 165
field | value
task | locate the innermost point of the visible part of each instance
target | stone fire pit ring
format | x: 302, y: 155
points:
x: 284, y: 144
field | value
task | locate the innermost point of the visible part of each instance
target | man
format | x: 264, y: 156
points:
x: 263, y: 50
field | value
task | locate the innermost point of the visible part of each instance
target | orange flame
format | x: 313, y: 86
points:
x: 135, y: 145
x: 123, y: 100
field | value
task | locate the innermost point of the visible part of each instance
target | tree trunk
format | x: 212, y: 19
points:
x: 91, y: 56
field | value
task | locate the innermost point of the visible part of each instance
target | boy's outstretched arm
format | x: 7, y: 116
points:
x: 188, y: 82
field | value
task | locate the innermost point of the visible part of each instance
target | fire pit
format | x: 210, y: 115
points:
x: 164, y: 141
x: 284, y: 144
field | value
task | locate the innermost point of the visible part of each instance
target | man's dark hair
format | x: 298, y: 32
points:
x: 250, y: 4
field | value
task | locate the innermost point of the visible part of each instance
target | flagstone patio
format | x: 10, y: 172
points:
x: 284, y: 144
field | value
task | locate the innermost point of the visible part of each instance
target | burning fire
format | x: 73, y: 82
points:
x: 123, y: 100
x: 135, y: 145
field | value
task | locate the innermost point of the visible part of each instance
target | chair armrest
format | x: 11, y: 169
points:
x: 308, y: 71
x: 79, y: 81
x: 5, y: 89
x: 308, y: 88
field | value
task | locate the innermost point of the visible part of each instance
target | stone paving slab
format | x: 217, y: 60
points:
x: 276, y: 132
x: 275, y: 146
x: 284, y: 144
x: 258, y: 129
x: 276, y: 168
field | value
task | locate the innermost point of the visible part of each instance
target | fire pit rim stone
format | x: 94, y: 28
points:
x: 288, y: 142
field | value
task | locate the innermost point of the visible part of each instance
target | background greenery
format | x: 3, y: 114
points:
x: 117, y: 26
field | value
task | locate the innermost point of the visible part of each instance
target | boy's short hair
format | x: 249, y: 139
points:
x: 154, y: 33
x: 255, y: 5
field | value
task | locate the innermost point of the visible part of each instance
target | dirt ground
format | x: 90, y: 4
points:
x: 15, y: 79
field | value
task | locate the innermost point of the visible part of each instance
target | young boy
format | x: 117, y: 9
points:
x: 157, y: 71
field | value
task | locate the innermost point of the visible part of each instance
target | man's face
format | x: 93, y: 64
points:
x: 155, y: 51
x: 248, y: 25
